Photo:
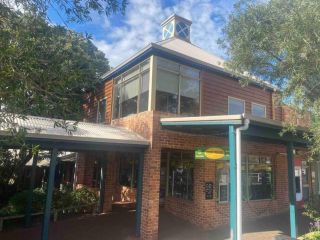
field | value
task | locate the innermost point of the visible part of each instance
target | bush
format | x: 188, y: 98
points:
x: 84, y: 196
x: 311, y: 236
x: 17, y: 203
x: 64, y: 198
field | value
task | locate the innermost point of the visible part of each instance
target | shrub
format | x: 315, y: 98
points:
x: 17, y: 203
x: 84, y: 196
x: 311, y: 236
x: 64, y: 198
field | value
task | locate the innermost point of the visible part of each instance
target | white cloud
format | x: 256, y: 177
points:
x: 141, y: 25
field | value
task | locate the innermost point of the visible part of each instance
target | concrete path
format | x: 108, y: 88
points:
x: 120, y: 225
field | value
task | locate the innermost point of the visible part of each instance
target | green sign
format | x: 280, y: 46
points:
x: 212, y: 153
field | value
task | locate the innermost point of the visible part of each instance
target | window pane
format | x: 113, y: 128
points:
x: 189, y: 72
x: 166, y: 64
x: 189, y: 96
x: 222, y: 174
x: 144, y: 92
x: 129, y: 97
x: 145, y: 65
x: 235, y: 106
x: 102, y: 111
x: 260, y: 176
x: 258, y: 110
x: 167, y: 91
x: 116, y: 102
x: 181, y: 174
x: 128, y: 171
x: 131, y: 73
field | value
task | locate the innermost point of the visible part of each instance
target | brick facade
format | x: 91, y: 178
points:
x: 207, y: 214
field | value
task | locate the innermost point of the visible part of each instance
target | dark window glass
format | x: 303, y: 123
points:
x: 101, y: 118
x: 167, y: 91
x: 181, y: 174
x: 259, y: 177
x: 144, y: 92
x: 96, y: 174
x: 128, y: 170
x: 129, y: 97
x: 189, y: 96
x: 116, y: 102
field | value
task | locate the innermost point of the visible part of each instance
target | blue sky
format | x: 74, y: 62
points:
x: 121, y: 36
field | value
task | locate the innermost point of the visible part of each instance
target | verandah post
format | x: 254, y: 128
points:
x: 233, y: 184
x: 139, y: 194
x: 292, y: 190
x: 102, y: 183
x: 50, y: 186
x: 30, y: 193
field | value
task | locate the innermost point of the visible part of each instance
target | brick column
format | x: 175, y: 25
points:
x: 84, y: 170
x: 150, y: 195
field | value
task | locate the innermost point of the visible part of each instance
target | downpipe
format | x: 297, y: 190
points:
x: 244, y: 127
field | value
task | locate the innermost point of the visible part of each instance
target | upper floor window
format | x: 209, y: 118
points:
x: 235, y: 106
x: 131, y: 91
x: 258, y: 110
x: 178, y: 88
x: 101, y: 112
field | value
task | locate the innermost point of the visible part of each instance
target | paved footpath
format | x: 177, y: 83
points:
x: 120, y: 225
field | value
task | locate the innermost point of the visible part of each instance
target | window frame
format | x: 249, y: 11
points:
x: 180, y: 76
x: 237, y: 99
x: 120, y: 82
x: 98, y: 110
x: 261, y: 105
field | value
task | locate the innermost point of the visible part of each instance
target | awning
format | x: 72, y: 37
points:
x: 259, y: 128
x: 86, y: 136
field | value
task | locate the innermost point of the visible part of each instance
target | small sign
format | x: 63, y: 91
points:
x: 213, y: 153
x: 208, y: 190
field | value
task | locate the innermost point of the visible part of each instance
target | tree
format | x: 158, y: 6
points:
x: 75, y: 11
x: 279, y: 41
x: 45, y: 69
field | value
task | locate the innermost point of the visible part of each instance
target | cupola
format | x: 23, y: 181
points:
x: 176, y: 26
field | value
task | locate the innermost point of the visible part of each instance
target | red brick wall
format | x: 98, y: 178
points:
x: 143, y: 123
x: 204, y: 213
x: 84, y: 171
x: 209, y: 213
x: 216, y: 89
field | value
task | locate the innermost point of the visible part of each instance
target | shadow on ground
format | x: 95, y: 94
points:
x: 120, y: 225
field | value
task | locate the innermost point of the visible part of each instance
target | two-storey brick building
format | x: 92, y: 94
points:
x: 174, y: 78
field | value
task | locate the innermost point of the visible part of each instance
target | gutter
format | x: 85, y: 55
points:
x: 244, y: 127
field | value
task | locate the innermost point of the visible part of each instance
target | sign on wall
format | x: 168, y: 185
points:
x: 208, y: 190
x: 212, y: 153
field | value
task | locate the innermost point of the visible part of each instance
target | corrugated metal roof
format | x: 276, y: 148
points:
x: 192, y: 51
x: 41, y: 127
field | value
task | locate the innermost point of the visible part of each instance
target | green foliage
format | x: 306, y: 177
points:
x: 279, y: 41
x: 82, y: 198
x: 45, y: 70
x: 311, y: 236
x: 17, y: 204
x: 76, y: 11
x: 312, y: 209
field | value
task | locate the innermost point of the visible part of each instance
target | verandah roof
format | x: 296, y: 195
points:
x: 262, y: 128
x: 85, y: 136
